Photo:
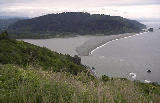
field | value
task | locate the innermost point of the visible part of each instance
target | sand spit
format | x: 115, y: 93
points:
x: 90, y: 45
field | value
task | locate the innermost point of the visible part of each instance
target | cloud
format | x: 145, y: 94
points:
x: 114, y: 10
x: 125, y: 8
x: 136, y: 2
x: 1, y: 3
x: 16, y: 1
x: 125, y: 12
x: 103, y: 8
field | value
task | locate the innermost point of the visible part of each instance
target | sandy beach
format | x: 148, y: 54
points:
x: 88, y: 46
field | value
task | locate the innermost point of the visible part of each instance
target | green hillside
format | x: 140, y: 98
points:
x: 33, y: 74
x: 34, y: 85
x: 22, y: 53
x: 72, y: 23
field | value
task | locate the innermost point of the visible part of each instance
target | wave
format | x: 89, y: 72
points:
x: 115, y: 40
x: 133, y: 75
x: 101, y: 57
x: 147, y: 81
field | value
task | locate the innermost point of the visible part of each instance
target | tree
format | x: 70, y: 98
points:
x: 77, y: 60
x: 4, y: 35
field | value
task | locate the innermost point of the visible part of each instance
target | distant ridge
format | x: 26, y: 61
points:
x: 10, y: 17
x: 4, y: 23
x: 81, y: 23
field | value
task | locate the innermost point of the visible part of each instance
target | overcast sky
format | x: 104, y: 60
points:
x: 126, y: 8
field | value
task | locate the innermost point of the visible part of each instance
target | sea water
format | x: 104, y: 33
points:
x: 130, y: 57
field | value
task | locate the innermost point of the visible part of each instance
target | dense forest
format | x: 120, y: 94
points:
x: 72, y: 23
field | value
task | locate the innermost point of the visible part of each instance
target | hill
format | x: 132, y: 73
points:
x: 12, y: 17
x: 72, y: 23
x: 22, y: 53
x: 34, y: 85
x: 34, y: 74
x: 4, y: 23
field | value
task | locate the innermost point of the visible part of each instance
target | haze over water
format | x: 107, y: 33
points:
x: 119, y: 58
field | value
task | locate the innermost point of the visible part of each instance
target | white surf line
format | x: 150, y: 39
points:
x: 133, y: 75
x: 147, y: 81
x: 115, y: 40
x: 101, y: 57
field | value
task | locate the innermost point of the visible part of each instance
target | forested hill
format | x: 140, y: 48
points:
x: 75, y: 23
x: 4, y: 23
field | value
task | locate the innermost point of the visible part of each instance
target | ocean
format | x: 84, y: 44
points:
x: 129, y: 57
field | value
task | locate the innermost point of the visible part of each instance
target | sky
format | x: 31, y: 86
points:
x: 131, y: 9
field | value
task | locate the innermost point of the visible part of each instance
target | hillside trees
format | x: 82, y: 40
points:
x: 74, y: 23
x: 22, y: 53
x: 4, y: 35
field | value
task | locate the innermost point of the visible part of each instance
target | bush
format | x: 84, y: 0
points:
x: 105, y: 78
x: 4, y: 35
x: 125, y: 79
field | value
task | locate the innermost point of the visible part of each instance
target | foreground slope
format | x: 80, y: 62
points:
x: 34, y: 85
x: 68, y: 23
x: 22, y: 53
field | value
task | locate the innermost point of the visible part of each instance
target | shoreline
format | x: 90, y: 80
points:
x: 91, y: 45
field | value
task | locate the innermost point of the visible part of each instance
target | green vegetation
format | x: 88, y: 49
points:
x: 32, y: 74
x: 22, y: 53
x: 71, y: 24
x: 4, y: 36
x: 33, y: 85
x: 105, y: 78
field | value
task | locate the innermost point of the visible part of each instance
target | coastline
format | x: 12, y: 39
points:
x: 97, y: 42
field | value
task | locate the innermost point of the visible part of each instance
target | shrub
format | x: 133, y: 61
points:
x: 4, y: 35
x: 105, y: 78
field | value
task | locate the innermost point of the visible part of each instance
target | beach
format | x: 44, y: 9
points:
x: 88, y: 46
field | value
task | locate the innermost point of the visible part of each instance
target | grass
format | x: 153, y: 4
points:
x: 33, y: 85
